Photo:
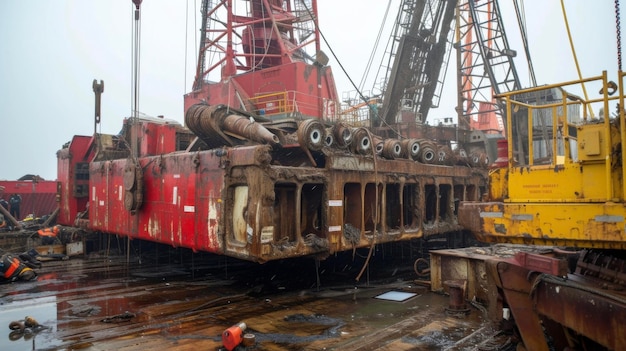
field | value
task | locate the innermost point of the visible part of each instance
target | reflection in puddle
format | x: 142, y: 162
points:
x: 43, y: 309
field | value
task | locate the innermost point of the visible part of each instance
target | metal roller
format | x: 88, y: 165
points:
x: 312, y: 134
x: 343, y: 134
x: 479, y: 159
x: 445, y: 156
x: 410, y: 148
x: 378, y: 144
x: 361, y: 143
x: 462, y: 158
x: 129, y: 177
x: 428, y: 152
x: 392, y: 149
x: 198, y: 120
x: 133, y: 184
x: 388, y: 148
x: 330, y: 138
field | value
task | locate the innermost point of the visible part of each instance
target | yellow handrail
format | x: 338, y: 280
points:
x: 279, y: 98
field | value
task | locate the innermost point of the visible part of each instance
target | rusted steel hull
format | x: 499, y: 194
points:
x: 241, y: 202
x: 546, y: 302
x: 604, y: 311
x: 538, y: 300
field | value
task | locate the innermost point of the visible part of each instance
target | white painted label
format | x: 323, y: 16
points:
x: 609, y: 219
x: 335, y: 203
x: 176, y: 176
x: 101, y: 202
x: 334, y: 228
x: 189, y: 208
x: 267, y: 234
x: 119, y: 193
x: 174, y: 195
x: 491, y: 215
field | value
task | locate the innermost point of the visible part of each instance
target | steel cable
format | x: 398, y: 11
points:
x: 618, y: 32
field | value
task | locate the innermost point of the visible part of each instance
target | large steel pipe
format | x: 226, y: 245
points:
x: 211, y: 123
x: 249, y: 129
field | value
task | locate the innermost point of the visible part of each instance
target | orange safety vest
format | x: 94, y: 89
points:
x: 49, y: 232
x: 15, y: 263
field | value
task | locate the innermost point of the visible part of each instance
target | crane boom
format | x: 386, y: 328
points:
x: 486, y: 65
x: 413, y: 79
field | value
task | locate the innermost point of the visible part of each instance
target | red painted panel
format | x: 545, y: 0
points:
x: 79, y: 150
x: 181, y: 200
x: 297, y: 80
x: 157, y: 139
x: 38, y: 198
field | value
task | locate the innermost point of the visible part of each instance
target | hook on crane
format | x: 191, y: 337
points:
x: 137, y: 5
x: 611, y: 88
x: 98, y: 89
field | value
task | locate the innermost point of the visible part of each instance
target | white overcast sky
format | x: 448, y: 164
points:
x: 51, y: 50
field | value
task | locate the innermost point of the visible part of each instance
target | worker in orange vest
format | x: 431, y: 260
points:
x: 48, y: 235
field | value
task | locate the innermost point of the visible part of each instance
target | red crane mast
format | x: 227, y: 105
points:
x: 252, y: 46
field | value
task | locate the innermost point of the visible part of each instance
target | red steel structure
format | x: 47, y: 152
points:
x: 261, y: 59
x: 38, y: 196
x: 263, y: 168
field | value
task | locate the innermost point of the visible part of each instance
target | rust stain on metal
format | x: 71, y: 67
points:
x: 534, y: 283
x: 566, y: 302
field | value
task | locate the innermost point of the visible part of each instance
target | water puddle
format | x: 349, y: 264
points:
x: 45, y: 310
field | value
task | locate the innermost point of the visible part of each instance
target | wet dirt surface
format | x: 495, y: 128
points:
x: 184, y: 301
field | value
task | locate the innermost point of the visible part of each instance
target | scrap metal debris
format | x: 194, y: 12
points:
x: 25, y: 328
x: 120, y: 318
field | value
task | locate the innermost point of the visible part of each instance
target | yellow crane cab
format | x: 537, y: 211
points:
x: 559, y: 177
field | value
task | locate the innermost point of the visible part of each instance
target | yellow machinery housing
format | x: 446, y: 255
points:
x: 562, y: 179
